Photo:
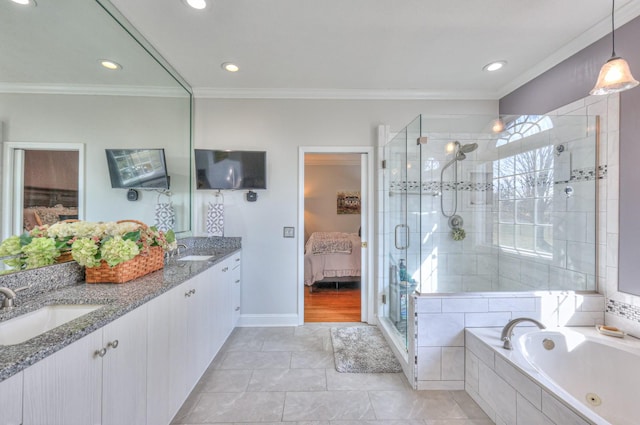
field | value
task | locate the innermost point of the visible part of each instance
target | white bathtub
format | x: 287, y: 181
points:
x: 595, y: 377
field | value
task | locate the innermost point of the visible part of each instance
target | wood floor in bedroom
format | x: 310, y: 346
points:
x: 327, y: 304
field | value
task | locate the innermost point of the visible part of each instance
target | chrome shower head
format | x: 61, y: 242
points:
x: 469, y: 147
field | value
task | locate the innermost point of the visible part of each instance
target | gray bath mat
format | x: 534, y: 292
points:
x: 362, y: 349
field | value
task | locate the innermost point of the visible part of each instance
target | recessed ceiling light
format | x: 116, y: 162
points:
x: 109, y: 64
x: 25, y: 2
x: 494, y: 66
x: 196, y: 4
x: 231, y: 67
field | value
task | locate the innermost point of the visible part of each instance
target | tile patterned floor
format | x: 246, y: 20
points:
x: 275, y: 375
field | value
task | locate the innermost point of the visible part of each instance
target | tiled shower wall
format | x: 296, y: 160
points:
x: 439, y: 320
x: 498, y: 254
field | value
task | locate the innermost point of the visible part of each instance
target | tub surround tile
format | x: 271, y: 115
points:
x: 471, y: 372
x: 479, y: 349
x: 428, y: 367
x: 428, y: 305
x: 512, y: 304
x: 630, y: 326
x: 506, y: 394
x: 558, y: 412
x: 528, y: 414
x: 464, y: 305
x: 499, y: 394
x: 483, y: 320
x: 482, y: 403
x: 523, y: 385
x: 590, y: 302
x: 452, y: 363
x: 441, y: 330
x: 470, y: 407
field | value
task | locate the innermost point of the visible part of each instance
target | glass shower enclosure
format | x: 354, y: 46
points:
x: 479, y: 204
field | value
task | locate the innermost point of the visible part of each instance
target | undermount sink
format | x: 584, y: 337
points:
x: 195, y: 258
x: 29, y: 325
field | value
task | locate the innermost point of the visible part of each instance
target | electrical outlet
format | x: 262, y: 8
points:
x: 289, y: 232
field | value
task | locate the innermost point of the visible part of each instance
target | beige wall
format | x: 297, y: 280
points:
x: 321, y: 184
x: 280, y: 127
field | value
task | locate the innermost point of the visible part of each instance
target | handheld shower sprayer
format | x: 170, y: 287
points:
x: 459, y: 154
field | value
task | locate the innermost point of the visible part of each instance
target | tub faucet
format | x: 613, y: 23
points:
x: 507, y: 331
x: 9, y: 295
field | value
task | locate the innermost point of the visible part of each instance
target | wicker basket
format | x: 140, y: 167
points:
x: 140, y: 265
x: 64, y: 257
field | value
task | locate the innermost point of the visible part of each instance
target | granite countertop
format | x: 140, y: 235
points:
x: 116, y: 300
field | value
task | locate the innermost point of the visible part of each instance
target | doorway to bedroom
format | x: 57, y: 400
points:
x: 334, y: 255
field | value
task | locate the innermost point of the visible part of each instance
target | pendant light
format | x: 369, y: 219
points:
x: 615, y: 75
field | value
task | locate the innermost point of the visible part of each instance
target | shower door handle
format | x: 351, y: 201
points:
x: 406, y: 236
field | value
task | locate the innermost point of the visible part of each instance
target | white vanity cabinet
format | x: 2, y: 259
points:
x: 138, y: 369
x: 236, y: 285
x: 11, y: 400
x: 187, y: 327
x: 99, y: 379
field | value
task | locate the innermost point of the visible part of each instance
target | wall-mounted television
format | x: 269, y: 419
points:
x: 137, y: 168
x: 218, y: 169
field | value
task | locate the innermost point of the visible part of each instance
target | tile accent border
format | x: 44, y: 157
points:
x: 624, y: 310
x: 433, y: 187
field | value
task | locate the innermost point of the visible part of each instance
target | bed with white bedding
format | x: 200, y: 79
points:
x: 332, y: 257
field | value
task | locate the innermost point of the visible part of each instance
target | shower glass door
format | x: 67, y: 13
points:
x: 402, y: 226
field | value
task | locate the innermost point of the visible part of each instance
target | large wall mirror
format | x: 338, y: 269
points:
x: 60, y: 108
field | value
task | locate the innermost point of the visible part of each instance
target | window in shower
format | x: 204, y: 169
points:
x: 524, y: 126
x: 524, y: 184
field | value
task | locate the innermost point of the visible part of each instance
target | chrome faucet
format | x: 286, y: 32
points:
x: 507, y: 331
x: 9, y: 296
x: 178, y: 248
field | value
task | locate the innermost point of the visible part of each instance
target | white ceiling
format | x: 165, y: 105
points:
x: 56, y: 46
x: 369, y: 48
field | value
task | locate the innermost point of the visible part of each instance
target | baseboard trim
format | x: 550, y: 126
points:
x: 263, y: 320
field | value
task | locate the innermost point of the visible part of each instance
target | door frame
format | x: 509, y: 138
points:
x: 367, y: 308
x: 12, y: 180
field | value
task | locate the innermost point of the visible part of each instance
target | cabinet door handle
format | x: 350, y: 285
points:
x: 238, y: 281
x: 226, y: 269
x: 238, y: 308
x: 113, y: 344
x: 100, y: 353
x: 187, y: 294
x: 193, y: 291
x: 237, y: 259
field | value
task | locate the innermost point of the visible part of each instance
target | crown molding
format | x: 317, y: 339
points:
x: 623, y: 15
x: 339, y: 94
x: 102, y: 90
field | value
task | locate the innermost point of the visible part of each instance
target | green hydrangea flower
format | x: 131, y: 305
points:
x: 40, y: 252
x: 118, y: 250
x: 85, y: 252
